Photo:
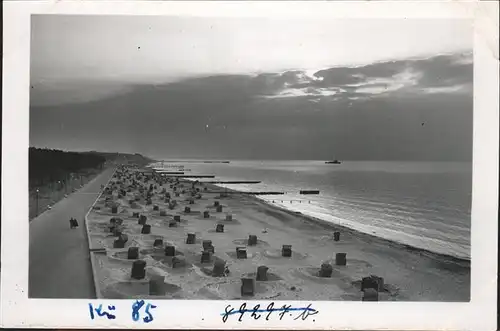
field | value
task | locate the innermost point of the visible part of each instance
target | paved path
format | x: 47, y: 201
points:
x: 59, y: 260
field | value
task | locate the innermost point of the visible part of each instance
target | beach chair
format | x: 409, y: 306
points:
x: 219, y: 268
x: 157, y: 285
x: 206, y: 257
x: 336, y: 236
x: 219, y: 228
x: 373, y: 282
x: 286, y: 251
x: 146, y: 229
x: 252, y: 240
x: 133, y: 253
x: 262, y: 273
x: 169, y: 250
x: 206, y: 243
x: 116, y: 221
x: 138, y: 269
x: 341, y: 259
x: 247, y: 286
x: 118, y: 243
x: 191, y: 238
x: 241, y: 252
x: 142, y: 219
x: 370, y: 294
x: 326, y: 270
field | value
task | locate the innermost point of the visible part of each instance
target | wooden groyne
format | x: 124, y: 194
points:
x: 192, y: 176
x: 309, y: 192
x: 250, y: 193
x: 193, y: 161
x: 234, y: 182
x: 171, y: 169
x: 167, y: 166
x: 170, y: 172
x: 265, y: 193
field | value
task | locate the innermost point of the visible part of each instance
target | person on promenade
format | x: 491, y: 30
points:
x: 73, y: 223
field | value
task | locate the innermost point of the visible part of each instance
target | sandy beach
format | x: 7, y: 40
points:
x: 408, y: 274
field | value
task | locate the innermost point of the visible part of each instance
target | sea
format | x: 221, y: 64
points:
x: 426, y: 205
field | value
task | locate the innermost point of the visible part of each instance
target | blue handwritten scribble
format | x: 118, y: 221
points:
x: 136, y: 307
x: 305, y: 311
x: 100, y: 312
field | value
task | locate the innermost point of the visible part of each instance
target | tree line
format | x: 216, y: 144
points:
x: 49, y: 165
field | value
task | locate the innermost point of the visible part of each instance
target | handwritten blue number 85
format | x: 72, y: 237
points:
x: 135, y: 311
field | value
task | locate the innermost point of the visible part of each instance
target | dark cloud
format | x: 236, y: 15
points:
x: 445, y: 71
x: 252, y: 116
x: 438, y: 71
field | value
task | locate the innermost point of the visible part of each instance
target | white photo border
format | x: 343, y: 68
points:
x: 480, y: 313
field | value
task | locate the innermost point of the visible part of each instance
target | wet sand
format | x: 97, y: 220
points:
x: 409, y: 274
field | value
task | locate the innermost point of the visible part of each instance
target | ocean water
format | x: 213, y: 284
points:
x: 422, y: 204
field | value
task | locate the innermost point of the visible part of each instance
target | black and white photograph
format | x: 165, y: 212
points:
x: 254, y: 158
x: 273, y: 158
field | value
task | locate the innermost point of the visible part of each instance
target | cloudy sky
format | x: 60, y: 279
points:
x: 253, y: 88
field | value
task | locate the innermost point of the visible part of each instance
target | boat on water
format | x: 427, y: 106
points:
x: 333, y: 162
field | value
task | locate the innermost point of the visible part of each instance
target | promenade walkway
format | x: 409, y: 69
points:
x: 59, y: 261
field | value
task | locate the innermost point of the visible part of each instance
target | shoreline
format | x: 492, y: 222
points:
x: 369, y: 237
x: 435, y: 245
